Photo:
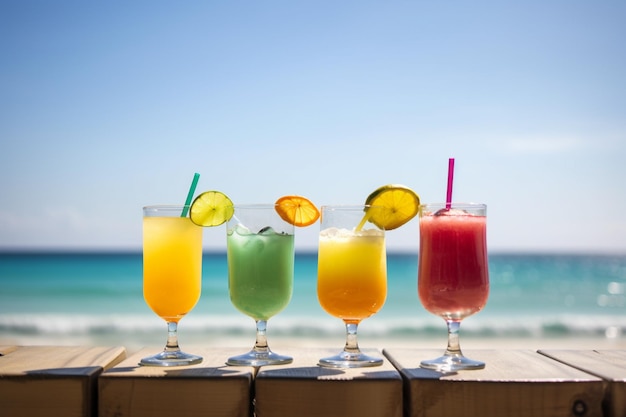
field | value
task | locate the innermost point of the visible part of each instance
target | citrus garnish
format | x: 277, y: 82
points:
x: 399, y: 205
x: 297, y: 210
x: 211, y: 208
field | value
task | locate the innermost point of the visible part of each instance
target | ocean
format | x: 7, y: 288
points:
x: 96, y: 299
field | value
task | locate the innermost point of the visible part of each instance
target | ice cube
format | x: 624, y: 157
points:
x: 450, y: 212
x: 333, y: 232
x: 267, y: 230
x: 242, y: 230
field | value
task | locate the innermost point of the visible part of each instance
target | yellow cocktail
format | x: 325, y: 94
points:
x: 172, y: 265
x: 172, y: 274
x: 351, y: 276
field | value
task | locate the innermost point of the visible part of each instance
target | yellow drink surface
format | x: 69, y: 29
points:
x: 172, y: 265
x: 352, y: 274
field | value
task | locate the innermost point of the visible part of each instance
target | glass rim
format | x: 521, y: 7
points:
x: 453, y: 204
x: 255, y: 205
x: 164, y: 206
x: 348, y: 206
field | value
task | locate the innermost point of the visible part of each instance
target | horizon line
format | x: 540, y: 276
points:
x: 138, y: 251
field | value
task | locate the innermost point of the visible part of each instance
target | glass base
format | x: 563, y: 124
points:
x: 452, y: 363
x: 350, y: 360
x: 171, y: 358
x: 259, y: 358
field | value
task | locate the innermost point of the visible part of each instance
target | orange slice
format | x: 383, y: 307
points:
x: 297, y: 210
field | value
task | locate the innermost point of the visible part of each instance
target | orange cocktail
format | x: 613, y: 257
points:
x: 352, y: 273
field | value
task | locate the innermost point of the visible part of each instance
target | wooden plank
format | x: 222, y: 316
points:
x: 305, y: 389
x: 513, y: 383
x: 210, y: 388
x: 53, y: 381
x: 5, y: 350
x: 610, y: 365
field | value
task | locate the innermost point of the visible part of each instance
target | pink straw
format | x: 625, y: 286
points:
x: 450, y: 178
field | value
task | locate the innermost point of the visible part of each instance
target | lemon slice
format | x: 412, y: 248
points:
x: 297, y: 210
x: 211, y: 208
x: 400, y: 204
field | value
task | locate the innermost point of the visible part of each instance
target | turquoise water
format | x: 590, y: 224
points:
x: 98, y: 297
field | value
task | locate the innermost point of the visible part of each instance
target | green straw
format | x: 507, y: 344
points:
x: 192, y: 190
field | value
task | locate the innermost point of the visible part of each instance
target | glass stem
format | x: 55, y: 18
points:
x: 352, y: 345
x: 454, y: 345
x: 261, y: 337
x: 172, y: 337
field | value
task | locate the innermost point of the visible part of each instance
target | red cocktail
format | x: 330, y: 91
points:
x: 453, y: 277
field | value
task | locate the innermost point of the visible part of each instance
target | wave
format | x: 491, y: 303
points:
x: 136, y: 325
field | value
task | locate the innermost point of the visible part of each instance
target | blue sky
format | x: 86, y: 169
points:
x: 109, y: 106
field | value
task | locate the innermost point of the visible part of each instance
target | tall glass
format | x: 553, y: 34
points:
x: 351, y: 276
x: 172, y: 275
x: 453, y: 277
x: 260, y: 252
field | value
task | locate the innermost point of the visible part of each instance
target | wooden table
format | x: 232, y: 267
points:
x: 52, y: 381
x: 305, y: 389
x: 101, y: 381
x: 513, y: 383
x: 610, y: 365
x: 210, y: 388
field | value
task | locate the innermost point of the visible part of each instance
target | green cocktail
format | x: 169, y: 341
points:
x: 260, y: 272
x: 260, y: 251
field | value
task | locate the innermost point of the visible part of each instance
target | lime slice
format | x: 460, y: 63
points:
x: 400, y: 204
x: 297, y: 210
x: 211, y: 208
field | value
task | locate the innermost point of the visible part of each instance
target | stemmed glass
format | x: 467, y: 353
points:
x: 172, y: 275
x: 260, y: 253
x: 453, y: 277
x: 351, y: 276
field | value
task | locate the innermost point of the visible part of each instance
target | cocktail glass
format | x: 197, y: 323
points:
x: 453, y: 277
x: 260, y: 253
x: 172, y: 275
x: 351, y: 276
